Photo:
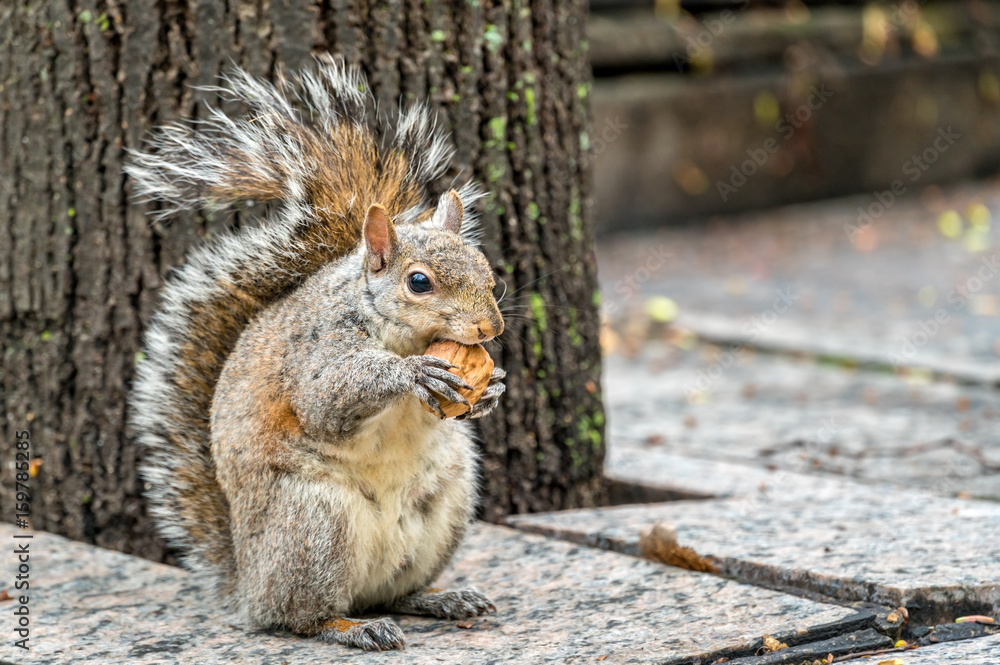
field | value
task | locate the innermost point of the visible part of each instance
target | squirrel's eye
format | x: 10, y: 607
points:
x: 419, y: 282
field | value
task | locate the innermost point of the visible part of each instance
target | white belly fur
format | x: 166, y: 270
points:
x: 401, y: 458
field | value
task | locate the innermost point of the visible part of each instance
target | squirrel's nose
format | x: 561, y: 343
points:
x: 487, y: 329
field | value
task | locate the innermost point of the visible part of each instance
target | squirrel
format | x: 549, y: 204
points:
x: 288, y: 456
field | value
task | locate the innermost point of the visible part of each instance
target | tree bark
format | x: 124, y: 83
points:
x: 81, y: 265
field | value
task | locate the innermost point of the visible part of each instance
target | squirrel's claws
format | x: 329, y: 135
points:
x: 371, y: 634
x: 446, y: 391
x: 493, y: 391
x: 453, y: 604
x: 434, y: 361
x: 448, y: 378
x: 431, y: 376
x: 490, y: 397
x: 430, y: 400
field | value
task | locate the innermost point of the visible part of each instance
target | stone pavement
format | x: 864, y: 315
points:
x: 797, y: 340
x: 556, y: 602
x: 810, y: 279
x: 773, y: 411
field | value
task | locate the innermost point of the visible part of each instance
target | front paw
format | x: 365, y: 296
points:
x: 432, y: 376
x: 490, y: 397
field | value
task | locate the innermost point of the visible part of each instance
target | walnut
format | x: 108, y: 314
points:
x: 474, y: 365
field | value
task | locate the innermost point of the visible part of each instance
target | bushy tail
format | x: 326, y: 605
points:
x: 307, y: 145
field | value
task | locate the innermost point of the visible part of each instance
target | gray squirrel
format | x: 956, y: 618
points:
x: 289, y: 458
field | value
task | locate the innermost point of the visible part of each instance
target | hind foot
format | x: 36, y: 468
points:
x: 456, y: 604
x: 369, y: 634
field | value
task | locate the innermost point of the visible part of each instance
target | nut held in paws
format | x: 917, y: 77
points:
x: 474, y: 365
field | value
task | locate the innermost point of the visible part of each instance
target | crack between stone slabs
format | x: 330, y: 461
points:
x: 843, y: 648
x: 867, y: 639
x: 620, y: 547
x: 625, y: 492
x: 923, y: 608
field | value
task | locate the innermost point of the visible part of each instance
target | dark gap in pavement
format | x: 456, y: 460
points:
x: 622, y: 493
x: 855, y: 637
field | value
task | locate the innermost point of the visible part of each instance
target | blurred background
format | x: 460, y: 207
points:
x: 796, y: 206
x: 845, y: 92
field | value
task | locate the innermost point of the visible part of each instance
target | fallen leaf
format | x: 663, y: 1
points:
x: 659, y: 543
x: 33, y: 466
x: 5, y: 596
x: 893, y: 617
x: 601, y: 657
x: 975, y: 618
x: 465, y: 624
x: 772, y: 644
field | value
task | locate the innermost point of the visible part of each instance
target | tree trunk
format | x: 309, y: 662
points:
x: 81, y: 266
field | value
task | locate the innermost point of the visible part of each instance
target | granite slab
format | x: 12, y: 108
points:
x: 979, y: 651
x: 797, y: 416
x: 899, y: 291
x: 801, y: 337
x: 557, y: 602
x: 935, y: 556
x: 656, y: 473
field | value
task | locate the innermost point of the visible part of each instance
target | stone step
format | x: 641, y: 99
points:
x: 733, y: 40
x: 671, y: 148
x: 984, y: 651
x: 641, y: 477
x: 673, y: 413
x: 804, y: 279
x: 932, y: 555
x: 796, y: 337
x: 557, y: 602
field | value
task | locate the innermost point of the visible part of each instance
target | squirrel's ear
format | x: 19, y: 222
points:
x: 449, y: 213
x: 380, y: 238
